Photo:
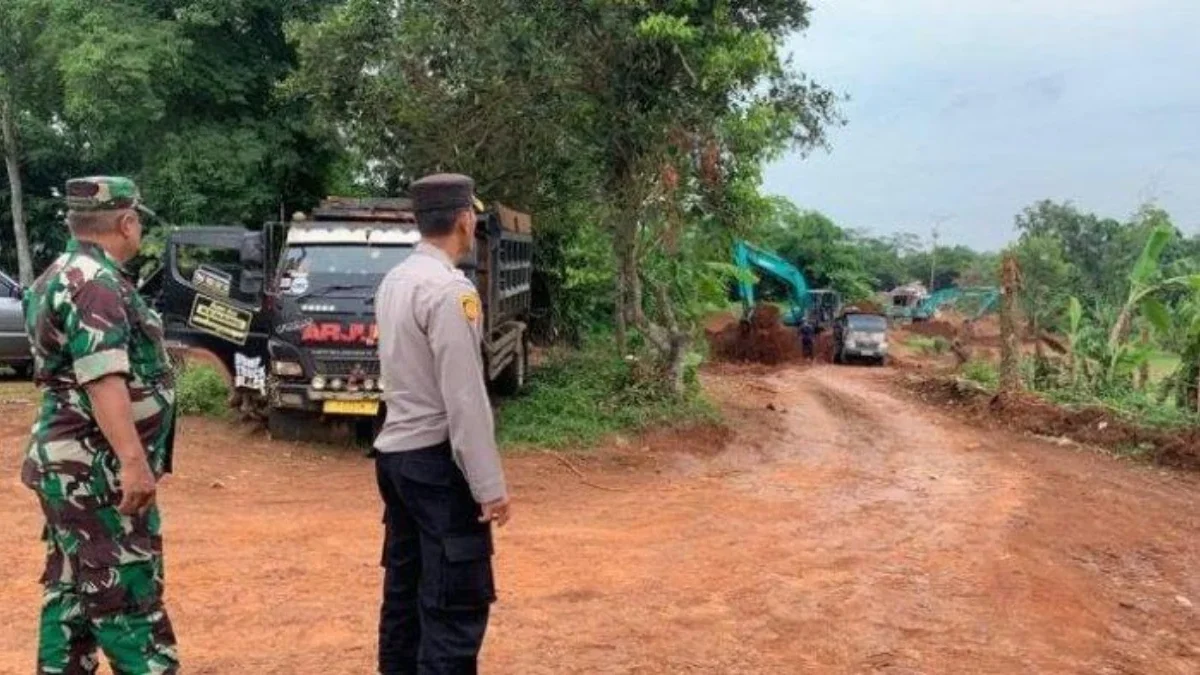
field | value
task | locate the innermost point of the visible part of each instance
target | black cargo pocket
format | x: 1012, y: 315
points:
x: 467, y: 581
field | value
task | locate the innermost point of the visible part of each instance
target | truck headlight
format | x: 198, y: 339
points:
x: 287, y: 368
x: 369, y: 384
x: 318, y: 383
x: 336, y: 383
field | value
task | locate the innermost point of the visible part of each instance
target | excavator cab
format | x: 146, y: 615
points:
x: 823, y: 307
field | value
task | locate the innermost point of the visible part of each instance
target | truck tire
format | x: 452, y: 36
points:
x: 511, y: 380
x: 24, y: 370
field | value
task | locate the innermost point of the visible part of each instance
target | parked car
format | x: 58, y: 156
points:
x: 859, y: 335
x: 14, y: 343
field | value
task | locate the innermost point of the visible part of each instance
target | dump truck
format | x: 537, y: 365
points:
x: 287, y: 311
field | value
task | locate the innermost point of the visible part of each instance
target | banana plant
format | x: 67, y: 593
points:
x: 1185, y: 381
x: 1074, y: 332
x: 1124, y: 357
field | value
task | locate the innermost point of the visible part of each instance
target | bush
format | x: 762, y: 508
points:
x: 580, y: 397
x: 202, y: 390
x: 928, y: 345
x: 982, y: 372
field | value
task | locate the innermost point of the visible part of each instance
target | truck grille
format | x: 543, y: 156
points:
x: 344, y: 367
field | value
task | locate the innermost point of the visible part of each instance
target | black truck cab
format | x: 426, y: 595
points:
x: 289, y: 310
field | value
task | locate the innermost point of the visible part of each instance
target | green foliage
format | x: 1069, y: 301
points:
x: 826, y: 253
x: 982, y: 372
x: 1046, y: 276
x: 182, y: 96
x: 202, y: 390
x: 580, y: 398
x: 1130, y: 404
x: 936, y: 345
x: 649, y: 120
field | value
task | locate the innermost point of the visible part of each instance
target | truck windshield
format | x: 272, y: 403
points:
x: 867, y: 323
x: 324, y: 261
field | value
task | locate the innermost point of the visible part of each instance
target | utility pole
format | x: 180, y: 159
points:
x: 937, y: 224
x: 933, y: 259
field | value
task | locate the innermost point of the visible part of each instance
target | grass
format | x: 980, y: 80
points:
x: 579, y: 398
x: 1162, y: 365
x: 981, y: 372
x: 1138, y: 407
x: 201, y: 390
x: 927, y: 345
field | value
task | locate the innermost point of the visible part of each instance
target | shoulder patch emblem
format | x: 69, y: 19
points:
x: 470, y: 306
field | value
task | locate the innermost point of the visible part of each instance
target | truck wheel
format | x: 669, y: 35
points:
x: 287, y: 425
x: 23, y: 370
x: 512, y: 379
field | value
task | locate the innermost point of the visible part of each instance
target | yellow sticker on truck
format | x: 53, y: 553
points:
x: 220, y: 319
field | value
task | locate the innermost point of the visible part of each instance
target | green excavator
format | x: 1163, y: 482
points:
x: 987, y: 299
x: 818, y: 306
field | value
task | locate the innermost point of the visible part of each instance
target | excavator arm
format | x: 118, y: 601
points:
x: 750, y: 258
x: 988, y: 297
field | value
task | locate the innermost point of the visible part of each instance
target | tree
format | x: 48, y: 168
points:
x: 1010, y: 345
x: 826, y: 253
x: 655, y: 117
x: 690, y: 98
x: 885, y: 258
x: 22, y: 83
x: 181, y: 95
x: 1047, y: 275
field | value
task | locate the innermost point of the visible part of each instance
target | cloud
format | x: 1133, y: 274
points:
x: 982, y: 107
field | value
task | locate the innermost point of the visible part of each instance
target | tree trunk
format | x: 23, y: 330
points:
x: 1010, y: 346
x: 8, y: 126
x: 1040, y: 367
x: 1073, y: 359
x: 1143, y: 379
x: 620, y: 310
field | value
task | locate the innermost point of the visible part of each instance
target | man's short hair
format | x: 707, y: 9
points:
x: 94, y: 222
x: 438, y: 222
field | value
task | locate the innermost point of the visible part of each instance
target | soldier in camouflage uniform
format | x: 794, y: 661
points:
x: 101, y: 441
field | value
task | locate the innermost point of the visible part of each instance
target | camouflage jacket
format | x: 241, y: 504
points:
x: 85, y: 320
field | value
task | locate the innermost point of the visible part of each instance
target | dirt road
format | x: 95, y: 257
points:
x: 845, y: 529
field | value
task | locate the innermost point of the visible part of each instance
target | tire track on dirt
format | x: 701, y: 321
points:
x: 901, y: 500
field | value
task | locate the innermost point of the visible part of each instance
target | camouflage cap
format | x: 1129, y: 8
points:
x: 103, y: 193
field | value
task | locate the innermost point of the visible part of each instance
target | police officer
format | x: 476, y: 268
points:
x: 100, y: 443
x: 437, y: 465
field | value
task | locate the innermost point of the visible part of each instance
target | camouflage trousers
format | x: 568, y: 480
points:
x: 103, y: 590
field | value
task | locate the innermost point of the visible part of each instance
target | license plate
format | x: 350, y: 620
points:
x: 367, y: 408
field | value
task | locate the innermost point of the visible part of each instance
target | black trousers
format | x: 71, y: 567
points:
x: 438, y: 583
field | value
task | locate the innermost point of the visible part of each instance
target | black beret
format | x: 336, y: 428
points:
x: 443, y: 191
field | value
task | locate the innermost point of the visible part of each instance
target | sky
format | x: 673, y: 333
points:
x: 961, y: 113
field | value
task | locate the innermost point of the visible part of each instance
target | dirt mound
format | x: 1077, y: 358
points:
x: 939, y: 328
x: 763, y: 340
x: 1085, y: 424
x: 716, y: 323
